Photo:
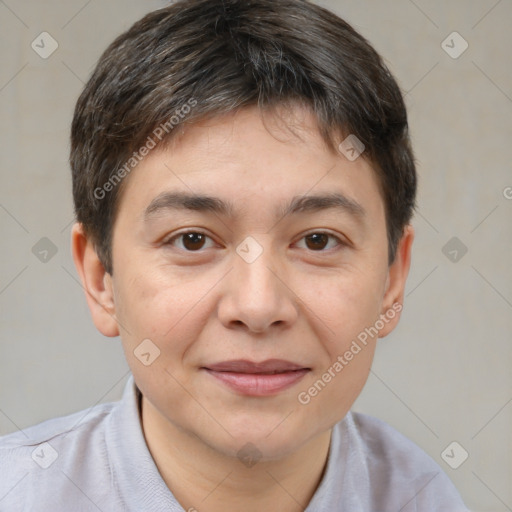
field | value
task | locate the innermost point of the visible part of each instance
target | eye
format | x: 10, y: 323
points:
x: 191, y: 241
x: 319, y: 241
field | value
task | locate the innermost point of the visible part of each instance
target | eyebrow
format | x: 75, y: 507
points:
x: 299, y: 204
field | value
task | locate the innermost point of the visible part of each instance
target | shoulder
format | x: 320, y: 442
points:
x: 399, y: 472
x: 39, y: 457
x: 384, y: 446
x: 75, y: 424
x: 58, y: 432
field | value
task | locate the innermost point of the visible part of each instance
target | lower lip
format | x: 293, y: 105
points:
x: 258, y: 384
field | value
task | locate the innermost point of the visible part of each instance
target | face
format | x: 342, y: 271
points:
x: 253, y: 260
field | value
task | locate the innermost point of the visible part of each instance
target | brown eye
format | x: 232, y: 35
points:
x: 320, y: 242
x: 317, y: 241
x: 191, y: 241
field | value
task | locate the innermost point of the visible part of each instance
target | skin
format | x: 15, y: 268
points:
x: 298, y: 301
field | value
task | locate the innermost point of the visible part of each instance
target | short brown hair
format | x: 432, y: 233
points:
x: 201, y: 58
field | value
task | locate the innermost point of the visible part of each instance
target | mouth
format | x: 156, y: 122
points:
x: 257, y: 378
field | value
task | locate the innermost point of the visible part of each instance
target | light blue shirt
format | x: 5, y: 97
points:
x: 98, y: 460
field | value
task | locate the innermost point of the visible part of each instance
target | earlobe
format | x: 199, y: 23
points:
x: 396, y: 280
x: 96, y: 282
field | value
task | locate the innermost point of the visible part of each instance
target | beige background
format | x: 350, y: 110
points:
x: 444, y: 375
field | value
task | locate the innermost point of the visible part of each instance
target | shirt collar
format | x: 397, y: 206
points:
x: 134, y: 471
x: 141, y: 486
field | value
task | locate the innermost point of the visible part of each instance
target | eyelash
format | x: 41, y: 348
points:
x: 169, y: 241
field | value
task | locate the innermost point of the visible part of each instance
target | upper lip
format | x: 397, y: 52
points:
x: 245, y: 366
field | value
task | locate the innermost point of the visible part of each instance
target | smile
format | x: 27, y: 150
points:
x: 257, y: 379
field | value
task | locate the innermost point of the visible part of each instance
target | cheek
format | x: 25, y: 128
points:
x: 168, y: 308
x: 348, y: 306
x: 344, y: 304
x: 331, y: 393
x: 169, y: 313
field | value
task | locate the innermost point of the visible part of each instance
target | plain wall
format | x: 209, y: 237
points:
x: 444, y: 375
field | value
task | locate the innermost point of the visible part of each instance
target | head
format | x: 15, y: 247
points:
x: 223, y: 213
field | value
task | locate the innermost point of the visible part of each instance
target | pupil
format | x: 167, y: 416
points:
x: 193, y: 241
x: 319, y: 240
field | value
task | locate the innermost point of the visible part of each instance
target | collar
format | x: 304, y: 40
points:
x: 141, y: 486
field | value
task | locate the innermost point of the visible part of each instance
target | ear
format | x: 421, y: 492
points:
x: 96, y: 282
x: 395, y: 282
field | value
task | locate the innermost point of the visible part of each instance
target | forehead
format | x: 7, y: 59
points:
x: 250, y: 155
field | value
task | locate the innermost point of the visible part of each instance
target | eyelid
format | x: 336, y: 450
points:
x: 341, y: 242
x: 169, y: 239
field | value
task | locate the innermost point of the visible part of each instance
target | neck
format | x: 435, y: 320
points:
x: 204, y: 480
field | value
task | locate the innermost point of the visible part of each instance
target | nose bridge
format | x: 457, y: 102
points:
x: 256, y: 294
x: 254, y: 276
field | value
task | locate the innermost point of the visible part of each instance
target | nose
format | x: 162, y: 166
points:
x: 256, y: 296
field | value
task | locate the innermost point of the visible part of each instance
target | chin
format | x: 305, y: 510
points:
x: 264, y: 441
x: 250, y: 449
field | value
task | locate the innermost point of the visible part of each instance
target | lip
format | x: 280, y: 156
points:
x: 263, y: 378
